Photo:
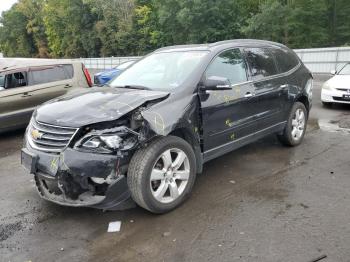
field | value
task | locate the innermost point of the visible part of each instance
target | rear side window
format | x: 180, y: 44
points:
x: 229, y: 64
x: 261, y: 62
x: 49, y: 74
x: 285, y: 59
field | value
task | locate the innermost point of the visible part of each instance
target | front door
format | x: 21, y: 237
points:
x: 228, y: 115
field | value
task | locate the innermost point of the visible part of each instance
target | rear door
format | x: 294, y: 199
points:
x: 15, y: 101
x: 264, y: 74
x: 48, y: 82
x: 227, y: 114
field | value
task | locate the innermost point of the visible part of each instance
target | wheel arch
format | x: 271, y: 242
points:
x: 192, y: 139
x: 305, y: 101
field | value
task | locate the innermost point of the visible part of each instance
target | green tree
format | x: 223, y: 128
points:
x: 114, y: 26
x: 14, y: 39
x: 197, y: 21
x: 69, y: 28
x: 297, y: 23
x: 32, y: 10
x: 339, y: 25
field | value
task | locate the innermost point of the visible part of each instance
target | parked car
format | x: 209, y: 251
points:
x: 27, y: 83
x: 105, y: 76
x: 337, y: 89
x: 146, y: 136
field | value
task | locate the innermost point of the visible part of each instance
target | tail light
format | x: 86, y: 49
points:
x: 87, y: 76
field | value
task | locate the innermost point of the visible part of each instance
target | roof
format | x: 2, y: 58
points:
x: 7, y: 64
x: 209, y: 46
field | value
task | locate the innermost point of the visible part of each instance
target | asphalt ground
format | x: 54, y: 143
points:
x: 263, y: 202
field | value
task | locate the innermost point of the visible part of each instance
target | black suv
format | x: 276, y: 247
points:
x: 145, y: 136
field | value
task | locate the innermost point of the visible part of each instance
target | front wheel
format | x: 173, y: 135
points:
x: 161, y: 175
x: 295, y: 129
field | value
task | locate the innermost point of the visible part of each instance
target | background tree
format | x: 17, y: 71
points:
x: 14, y: 38
x: 87, y: 28
x: 69, y: 28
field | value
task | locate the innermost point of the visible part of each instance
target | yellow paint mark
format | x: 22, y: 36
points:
x: 54, y: 165
x: 158, y: 121
x: 238, y: 90
x: 229, y: 123
x: 124, y: 104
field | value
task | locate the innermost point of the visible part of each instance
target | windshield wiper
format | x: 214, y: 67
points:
x: 135, y: 87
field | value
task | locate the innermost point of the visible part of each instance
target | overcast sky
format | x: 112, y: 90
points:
x: 6, y: 4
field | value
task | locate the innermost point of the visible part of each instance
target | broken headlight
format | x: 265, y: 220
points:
x: 109, y: 141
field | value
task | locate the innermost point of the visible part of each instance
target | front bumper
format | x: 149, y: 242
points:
x: 69, y: 178
x: 333, y: 96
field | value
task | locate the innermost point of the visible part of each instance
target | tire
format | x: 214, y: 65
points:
x: 148, y: 180
x: 292, y: 134
x: 327, y: 104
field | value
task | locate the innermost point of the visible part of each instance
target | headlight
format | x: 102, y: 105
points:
x: 111, y: 141
x: 326, y: 86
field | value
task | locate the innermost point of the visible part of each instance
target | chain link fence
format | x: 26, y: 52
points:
x: 104, y: 63
x: 324, y: 60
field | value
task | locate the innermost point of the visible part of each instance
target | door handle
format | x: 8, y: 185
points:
x: 26, y: 94
x: 67, y: 86
x: 248, y: 95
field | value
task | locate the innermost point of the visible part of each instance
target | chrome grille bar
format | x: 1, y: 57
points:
x: 49, y: 138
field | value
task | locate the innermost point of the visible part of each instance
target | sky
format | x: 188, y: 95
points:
x: 6, y: 4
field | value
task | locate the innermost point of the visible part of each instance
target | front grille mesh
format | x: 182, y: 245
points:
x: 49, y: 138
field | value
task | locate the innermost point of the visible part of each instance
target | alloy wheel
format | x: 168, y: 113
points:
x: 170, y: 175
x: 298, y: 124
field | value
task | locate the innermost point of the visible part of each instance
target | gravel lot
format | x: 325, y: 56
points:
x: 263, y: 202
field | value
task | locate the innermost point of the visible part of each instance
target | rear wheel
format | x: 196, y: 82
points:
x: 161, y: 176
x: 295, y: 129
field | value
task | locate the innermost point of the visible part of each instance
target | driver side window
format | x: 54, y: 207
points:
x: 229, y: 64
x: 13, y: 80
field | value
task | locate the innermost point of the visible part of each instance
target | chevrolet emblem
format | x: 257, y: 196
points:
x: 36, y: 134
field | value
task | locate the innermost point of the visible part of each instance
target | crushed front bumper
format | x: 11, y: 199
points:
x: 74, y: 178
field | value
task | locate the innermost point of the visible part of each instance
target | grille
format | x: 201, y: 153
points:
x: 341, y: 99
x: 49, y: 138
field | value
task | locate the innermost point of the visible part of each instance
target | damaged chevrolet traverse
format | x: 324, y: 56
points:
x: 144, y: 136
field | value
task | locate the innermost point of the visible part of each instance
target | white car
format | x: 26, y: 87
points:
x: 337, y: 89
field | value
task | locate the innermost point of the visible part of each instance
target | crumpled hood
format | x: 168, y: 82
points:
x: 339, y: 81
x: 93, y: 105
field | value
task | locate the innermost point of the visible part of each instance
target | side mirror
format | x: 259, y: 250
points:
x: 217, y: 83
x: 333, y: 72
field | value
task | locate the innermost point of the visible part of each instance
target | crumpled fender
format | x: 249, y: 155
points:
x: 165, y: 117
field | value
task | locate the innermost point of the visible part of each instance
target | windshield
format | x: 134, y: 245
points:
x: 2, y: 82
x: 160, y: 71
x: 345, y: 70
x: 125, y: 65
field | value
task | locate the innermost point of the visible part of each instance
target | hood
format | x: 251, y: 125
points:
x: 339, y: 81
x: 92, y: 105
